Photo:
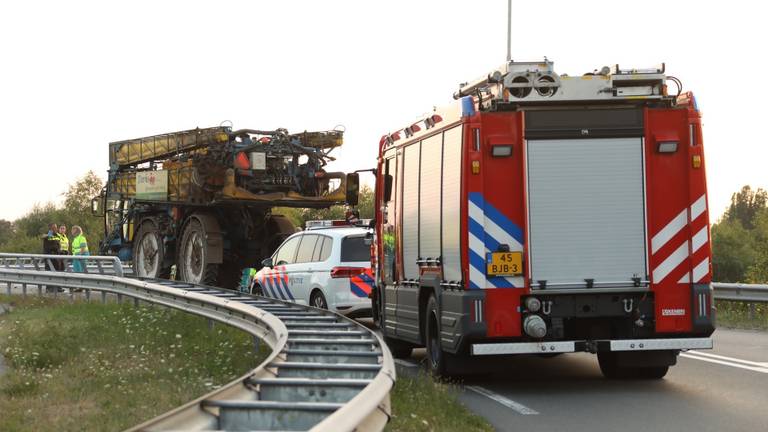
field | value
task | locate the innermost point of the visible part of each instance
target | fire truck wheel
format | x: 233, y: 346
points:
x: 399, y: 349
x: 149, y: 252
x: 436, y: 359
x: 193, y: 256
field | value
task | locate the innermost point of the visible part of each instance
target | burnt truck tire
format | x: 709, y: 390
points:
x: 193, y: 260
x: 149, y: 252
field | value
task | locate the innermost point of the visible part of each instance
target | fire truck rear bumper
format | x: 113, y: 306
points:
x: 591, y: 346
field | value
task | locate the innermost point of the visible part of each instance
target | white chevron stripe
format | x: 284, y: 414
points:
x: 698, y: 207
x: 502, y: 236
x: 477, y: 276
x: 701, y: 270
x: 669, y: 231
x: 669, y: 264
x: 476, y: 213
x: 685, y: 279
x: 699, y: 240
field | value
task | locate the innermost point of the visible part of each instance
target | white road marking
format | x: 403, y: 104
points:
x: 733, y: 359
x: 509, y: 403
x: 696, y: 356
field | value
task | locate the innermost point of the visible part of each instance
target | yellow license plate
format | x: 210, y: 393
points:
x: 504, y: 263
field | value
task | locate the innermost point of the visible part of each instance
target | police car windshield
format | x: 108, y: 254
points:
x: 353, y: 248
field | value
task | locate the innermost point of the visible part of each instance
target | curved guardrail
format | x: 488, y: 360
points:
x: 325, y: 372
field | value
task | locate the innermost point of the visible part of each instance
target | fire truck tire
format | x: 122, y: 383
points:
x: 609, y: 366
x: 398, y: 348
x: 193, y: 259
x: 437, y: 359
x: 149, y: 252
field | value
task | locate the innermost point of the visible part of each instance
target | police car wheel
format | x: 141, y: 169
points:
x: 318, y: 300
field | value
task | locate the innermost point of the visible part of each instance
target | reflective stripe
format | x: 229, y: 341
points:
x: 488, y: 229
x: 669, y: 231
x: 701, y: 270
x: 698, y: 207
x: 669, y: 264
x: 699, y: 240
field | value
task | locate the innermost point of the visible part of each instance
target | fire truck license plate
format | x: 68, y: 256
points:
x: 504, y: 263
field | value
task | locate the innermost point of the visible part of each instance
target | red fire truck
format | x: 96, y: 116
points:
x: 547, y: 213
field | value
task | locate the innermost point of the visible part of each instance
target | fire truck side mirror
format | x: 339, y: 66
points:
x: 353, y: 188
x: 388, y: 180
x: 97, y: 206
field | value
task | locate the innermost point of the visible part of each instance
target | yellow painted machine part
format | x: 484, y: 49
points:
x: 137, y: 150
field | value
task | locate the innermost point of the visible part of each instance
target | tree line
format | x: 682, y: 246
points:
x: 739, y: 237
x: 24, y: 235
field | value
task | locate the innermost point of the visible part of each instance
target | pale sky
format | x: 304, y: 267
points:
x: 76, y: 75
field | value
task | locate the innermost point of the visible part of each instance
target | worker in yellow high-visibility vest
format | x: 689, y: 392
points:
x: 79, y: 248
x: 63, y: 240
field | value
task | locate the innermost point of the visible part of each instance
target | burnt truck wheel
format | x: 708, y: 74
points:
x: 149, y: 252
x: 193, y: 260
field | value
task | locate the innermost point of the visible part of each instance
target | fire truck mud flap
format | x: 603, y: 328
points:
x: 623, y: 345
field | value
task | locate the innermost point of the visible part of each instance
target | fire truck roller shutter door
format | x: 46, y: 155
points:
x: 586, y: 210
x: 410, y: 212
x: 451, y: 202
x: 429, y: 197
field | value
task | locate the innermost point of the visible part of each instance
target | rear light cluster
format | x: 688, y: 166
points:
x: 346, y: 272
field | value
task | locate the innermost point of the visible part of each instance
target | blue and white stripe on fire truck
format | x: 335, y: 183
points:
x: 489, y: 228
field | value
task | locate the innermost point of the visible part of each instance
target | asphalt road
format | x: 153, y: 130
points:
x: 725, y: 389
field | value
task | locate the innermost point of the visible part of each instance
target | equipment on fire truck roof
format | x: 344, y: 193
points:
x: 537, y: 82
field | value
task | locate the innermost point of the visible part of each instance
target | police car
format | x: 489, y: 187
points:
x: 327, y: 266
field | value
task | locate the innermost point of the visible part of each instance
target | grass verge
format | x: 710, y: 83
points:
x: 742, y: 315
x: 80, y: 366
x: 420, y: 403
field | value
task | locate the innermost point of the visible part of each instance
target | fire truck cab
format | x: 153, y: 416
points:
x: 547, y: 213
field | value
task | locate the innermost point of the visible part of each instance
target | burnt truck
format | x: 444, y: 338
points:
x: 202, y: 200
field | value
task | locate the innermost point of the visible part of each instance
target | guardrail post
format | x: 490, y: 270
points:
x: 39, y: 290
x: 119, y: 299
x: 24, y: 289
x: 256, y: 342
x: 9, y: 287
x: 210, y: 324
x: 136, y: 302
x: 88, y: 295
x: 752, y: 311
x: 104, y: 297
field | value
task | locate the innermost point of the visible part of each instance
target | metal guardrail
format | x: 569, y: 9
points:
x: 754, y: 293
x: 325, y: 373
x: 92, y: 264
